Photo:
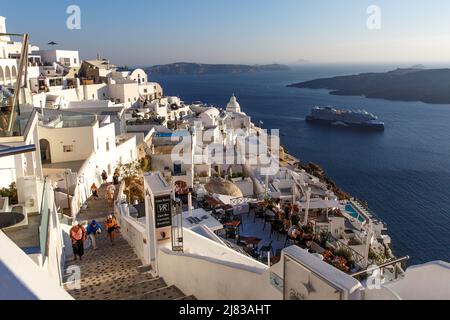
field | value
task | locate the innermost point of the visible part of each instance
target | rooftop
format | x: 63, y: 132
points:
x: 74, y: 166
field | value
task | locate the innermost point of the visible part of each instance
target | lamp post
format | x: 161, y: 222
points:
x: 308, y: 200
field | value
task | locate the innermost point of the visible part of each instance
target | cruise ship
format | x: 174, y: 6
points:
x: 345, y: 117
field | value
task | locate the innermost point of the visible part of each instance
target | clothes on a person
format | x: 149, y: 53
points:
x: 287, y: 212
x: 111, y: 224
x: 94, y: 190
x: 93, y: 228
x: 294, y: 233
x: 104, y: 176
x: 110, y: 192
x: 77, y: 235
x: 116, y: 177
x: 78, y: 248
x: 111, y: 227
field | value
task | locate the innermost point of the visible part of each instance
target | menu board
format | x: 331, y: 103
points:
x: 163, y: 211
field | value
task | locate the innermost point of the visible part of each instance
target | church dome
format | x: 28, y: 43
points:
x: 223, y: 187
x: 233, y: 105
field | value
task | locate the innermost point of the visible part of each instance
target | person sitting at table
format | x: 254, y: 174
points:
x: 277, y: 205
x: 296, y: 233
x: 287, y: 211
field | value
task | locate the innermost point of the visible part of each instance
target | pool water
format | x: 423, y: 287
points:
x: 352, y: 211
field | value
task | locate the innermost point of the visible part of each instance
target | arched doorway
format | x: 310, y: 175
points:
x: 2, y: 76
x: 13, y: 75
x: 46, y: 156
x: 8, y: 81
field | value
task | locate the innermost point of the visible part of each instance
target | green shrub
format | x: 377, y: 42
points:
x: 295, y: 219
x: 344, y: 253
x: 11, y: 193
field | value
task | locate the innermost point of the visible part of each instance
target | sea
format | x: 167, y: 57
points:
x: 403, y: 172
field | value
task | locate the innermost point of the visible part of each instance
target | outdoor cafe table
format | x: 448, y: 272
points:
x: 233, y: 224
x: 251, y: 241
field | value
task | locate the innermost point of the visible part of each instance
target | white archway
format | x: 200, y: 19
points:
x: 2, y: 76
x: 8, y: 80
x: 13, y: 74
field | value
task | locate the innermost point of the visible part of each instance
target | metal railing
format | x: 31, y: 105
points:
x: 44, y: 221
x: 397, y: 264
x: 358, y: 259
x: 242, y: 200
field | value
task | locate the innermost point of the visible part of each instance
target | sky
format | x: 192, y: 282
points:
x: 149, y: 32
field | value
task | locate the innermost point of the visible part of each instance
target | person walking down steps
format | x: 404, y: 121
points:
x: 104, y: 177
x: 94, y: 191
x: 93, y: 230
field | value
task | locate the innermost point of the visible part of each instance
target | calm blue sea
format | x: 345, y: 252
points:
x: 404, y: 173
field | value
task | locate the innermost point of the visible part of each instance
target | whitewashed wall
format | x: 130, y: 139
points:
x: 208, y: 276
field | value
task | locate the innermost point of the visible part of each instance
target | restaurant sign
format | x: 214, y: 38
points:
x: 163, y: 211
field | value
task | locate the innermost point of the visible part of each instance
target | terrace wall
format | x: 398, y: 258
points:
x: 209, y: 270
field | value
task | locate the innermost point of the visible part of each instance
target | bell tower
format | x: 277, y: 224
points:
x: 3, y: 30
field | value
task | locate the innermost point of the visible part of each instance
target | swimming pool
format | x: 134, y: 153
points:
x: 352, y: 211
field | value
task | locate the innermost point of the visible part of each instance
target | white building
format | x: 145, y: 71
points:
x: 8, y: 66
x: 82, y: 146
x: 66, y: 58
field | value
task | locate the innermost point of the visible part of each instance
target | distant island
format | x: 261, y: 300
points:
x: 410, y: 84
x: 200, y: 68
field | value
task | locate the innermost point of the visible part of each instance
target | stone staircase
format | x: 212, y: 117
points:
x: 116, y: 273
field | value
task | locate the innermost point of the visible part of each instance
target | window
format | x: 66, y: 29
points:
x: 145, y: 90
x: 129, y: 99
x: 68, y: 148
x: 135, y: 99
x: 93, y: 96
x: 75, y: 60
x: 107, y: 145
x: 104, y: 94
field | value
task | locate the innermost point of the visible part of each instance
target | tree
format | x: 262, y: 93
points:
x: 11, y: 193
x: 132, y: 175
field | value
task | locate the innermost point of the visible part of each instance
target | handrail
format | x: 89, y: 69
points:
x: 356, y: 255
x: 381, y: 266
x: 44, y: 212
x: 22, y: 65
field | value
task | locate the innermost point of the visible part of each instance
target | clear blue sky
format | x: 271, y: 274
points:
x: 145, y: 32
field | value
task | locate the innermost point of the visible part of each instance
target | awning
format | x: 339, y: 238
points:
x: 321, y: 204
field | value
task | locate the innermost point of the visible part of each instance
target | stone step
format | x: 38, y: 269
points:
x: 188, y: 298
x: 116, y: 268
x: 167, y: 293
x: 143, y: 287
x: 115, y: 288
